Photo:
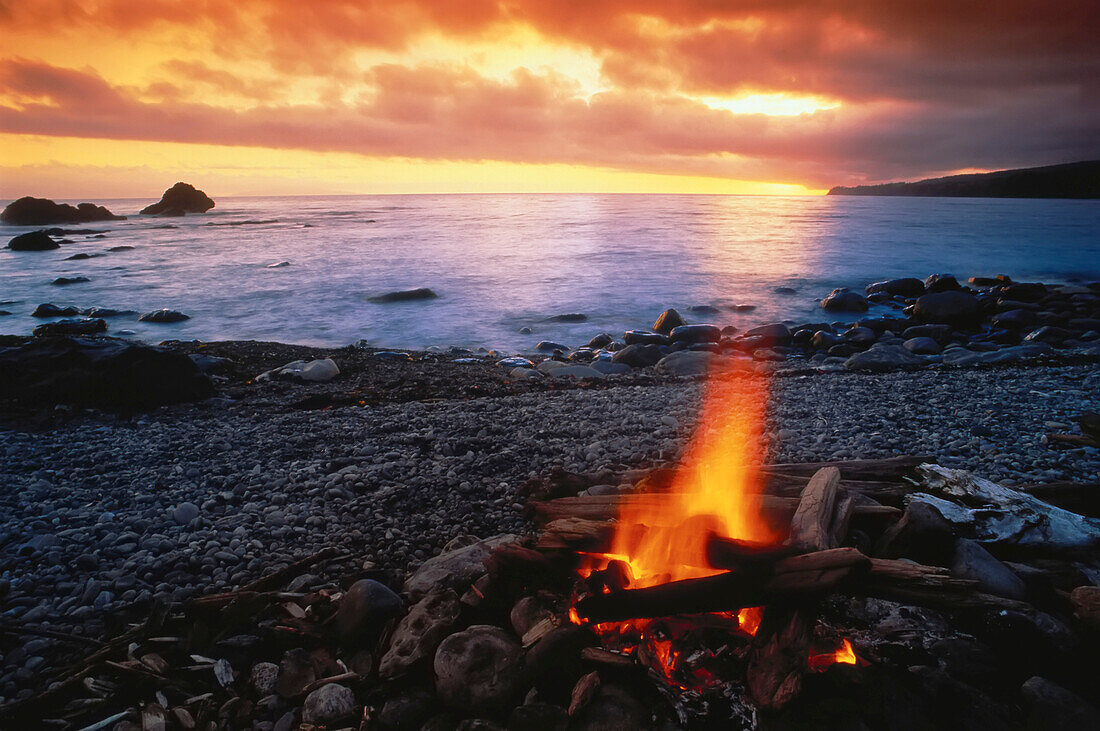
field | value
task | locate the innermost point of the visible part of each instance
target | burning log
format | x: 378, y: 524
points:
x: 790, y: 579
x: 1005, y: 518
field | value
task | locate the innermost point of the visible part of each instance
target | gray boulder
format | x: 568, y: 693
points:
x: 419, y: 632
x: 364, y: 611
x: 882, y: 357
x: 638, y: 355
x: 688, y: 363
x: 479, y: 670
x: 949, y: 307
x: 973, y: 562
x: 905, y: 287
x: 164, y: 316
x: 922, y: 346
x: 843, y: 300
x: 453, y: 569
x: 667, y: 321
x: 328, y: 703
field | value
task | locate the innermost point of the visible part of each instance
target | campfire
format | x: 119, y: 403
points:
x: 705, y: 543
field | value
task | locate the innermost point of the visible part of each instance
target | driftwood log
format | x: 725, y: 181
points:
x: 1006, y: 520
x: 606, y: 507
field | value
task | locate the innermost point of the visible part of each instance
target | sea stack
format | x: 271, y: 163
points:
x: 181, y: 198
x: 28, y: 211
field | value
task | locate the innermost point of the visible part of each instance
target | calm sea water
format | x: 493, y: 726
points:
x: 502, y: 262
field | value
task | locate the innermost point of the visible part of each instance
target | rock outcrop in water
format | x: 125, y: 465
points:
x: 33, y: 241
x: 1072, y: 180
x: 28, y: 211
x: 181, y: 198
x: 405, y: 295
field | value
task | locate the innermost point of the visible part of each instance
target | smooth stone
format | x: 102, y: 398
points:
x: 164, y: 316
x: 695, y: 334
x: 601, y: 341
x: 843, y: 300
x: 688, y: 363
x: 610, y: 368
x: 922, y: 346
x: 314, y: 371
x: 941, y: 283
x: 644, y: 337
x: 904, y: 287
x: 774, y: 334
x: 948, y: 307
x: 638, y: 355
x: 328, y: 703
x: 101, y: 372
x: 1054, y: 707
x: 667, y: 321
x: 515, y: 362
x: 882, y: 357
x: 185, y: 512
x: 479, y: 670
x: 364, y: 611
x: 419, y: 633
x: 973, y: 561
x: 859, y: 336
x: 576, y: 371
x: 548, y: 346
x: 278, y: 265
x: 453, y: 569
x: 62, y: 281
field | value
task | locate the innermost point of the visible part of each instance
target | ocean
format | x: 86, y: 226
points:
x: 500, y: 263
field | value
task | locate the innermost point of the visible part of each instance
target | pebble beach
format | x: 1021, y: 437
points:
x: 103, y: 512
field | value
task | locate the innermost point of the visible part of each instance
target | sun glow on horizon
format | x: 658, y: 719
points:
x: 72, y: 167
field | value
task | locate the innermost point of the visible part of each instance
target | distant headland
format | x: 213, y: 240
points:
x: 1071, y: 180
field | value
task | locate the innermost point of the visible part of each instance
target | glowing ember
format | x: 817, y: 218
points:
x: 843, y: 655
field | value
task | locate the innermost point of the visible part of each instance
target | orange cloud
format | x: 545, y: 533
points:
x: 915, y: 86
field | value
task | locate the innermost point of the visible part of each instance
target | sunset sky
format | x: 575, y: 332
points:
x: 117, y: 98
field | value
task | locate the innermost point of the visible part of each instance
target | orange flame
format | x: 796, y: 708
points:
x: 716, y: 489
x: 843, y: 655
